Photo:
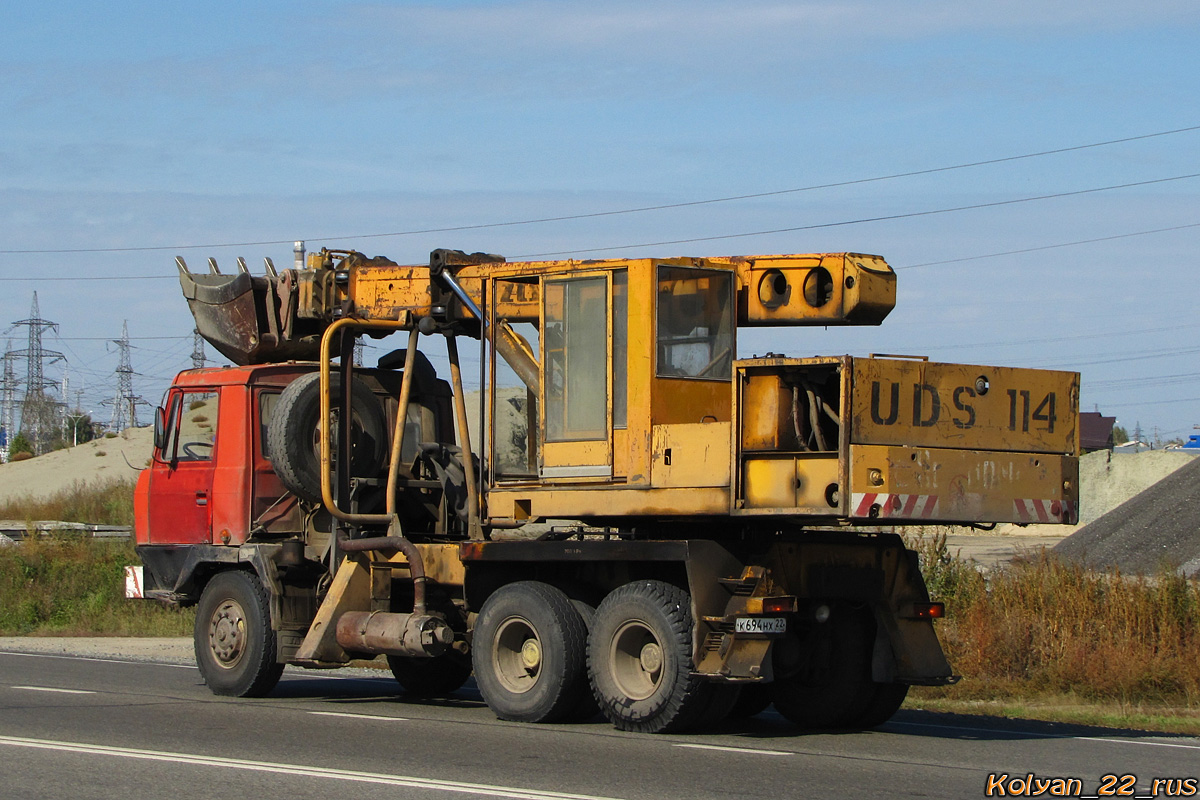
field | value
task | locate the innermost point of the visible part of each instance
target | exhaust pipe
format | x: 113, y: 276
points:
x: 393, y: 634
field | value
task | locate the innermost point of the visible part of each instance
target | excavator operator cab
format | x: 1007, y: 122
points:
x: 567, y: 400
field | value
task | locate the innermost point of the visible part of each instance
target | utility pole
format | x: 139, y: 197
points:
x: 8, y: 400
x: 39, y: 411
x: 198, y: 358
x: 126, y: 402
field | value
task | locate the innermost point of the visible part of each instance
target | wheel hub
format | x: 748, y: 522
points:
x: 227, y: 633
x: 517, y: 654
x: 531, y: 654
x: 636, y: 660
x: 651, y: 657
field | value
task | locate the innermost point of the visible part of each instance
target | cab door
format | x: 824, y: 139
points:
x: 181, y: 473
x: 576, y: 409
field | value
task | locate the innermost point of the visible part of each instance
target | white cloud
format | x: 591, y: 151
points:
x: 711, y: 23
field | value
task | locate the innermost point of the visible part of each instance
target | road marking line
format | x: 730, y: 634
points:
x: 736, y: 749
x: 1135, y: 741
x: 1033, y: 735
x: 98, y: 660
x: 52, y: 689
x: 298, y: 770
x: 291, y: 672
x: 358, y: 716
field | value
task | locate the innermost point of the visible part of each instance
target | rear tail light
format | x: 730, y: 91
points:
x: 928, y: 610
x: 779, y: 605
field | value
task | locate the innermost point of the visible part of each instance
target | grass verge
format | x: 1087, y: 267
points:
x: 99, y: 503
x: 1041, y: 638
x: 69, y: 585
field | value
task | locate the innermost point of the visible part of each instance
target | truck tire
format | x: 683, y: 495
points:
x: 235, y: 646
x: 752, y: 701
x: 834, y: 689
x: 431, y: 677
x: 883, y: 706
x: 529, y: 653
x: 292, y: 441
x: 586, y: 706
x: 640, y: 659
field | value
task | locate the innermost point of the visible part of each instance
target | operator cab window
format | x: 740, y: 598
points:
x: 576, y: 355
x: 695, y: 323
x: 193, y: 433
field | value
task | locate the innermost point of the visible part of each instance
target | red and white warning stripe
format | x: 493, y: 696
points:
x: 909, y: 506
x: 1044, y: 510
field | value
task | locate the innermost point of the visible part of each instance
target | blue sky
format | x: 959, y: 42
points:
x: 150, y: 125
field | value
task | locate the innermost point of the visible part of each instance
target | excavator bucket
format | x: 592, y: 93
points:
x: 249, y: 319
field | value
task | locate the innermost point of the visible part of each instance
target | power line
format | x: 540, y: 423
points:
x: 1152, y: 403
x: 1159, y: 380
x: 1058, y: 339
x: 1049, y: 247
x: 884, y: 218
x: 617, y: 212
x: 761, y: 233
x: 1127, y: 356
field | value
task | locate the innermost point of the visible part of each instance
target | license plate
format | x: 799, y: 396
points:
x: 760, y: 625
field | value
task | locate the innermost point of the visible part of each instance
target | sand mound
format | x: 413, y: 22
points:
x: 103, y: 460
x: 1158, y: 527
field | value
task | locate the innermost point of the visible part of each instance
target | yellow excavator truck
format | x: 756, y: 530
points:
x: 625, y: 517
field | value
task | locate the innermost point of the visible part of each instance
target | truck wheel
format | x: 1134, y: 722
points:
x: 235, y: 646
x: 834, y: 687
x: 529, y: 653
x: 293, y: 437
x: 723, y: 699
x: 640, y: 659
x: 431, y: 677
x: 753, y: 700
x: 884, y: 705
x: 586, y: 706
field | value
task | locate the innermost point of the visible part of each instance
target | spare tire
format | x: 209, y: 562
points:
x: 294, y: 444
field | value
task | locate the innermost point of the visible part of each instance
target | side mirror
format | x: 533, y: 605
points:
x: 160, y: 429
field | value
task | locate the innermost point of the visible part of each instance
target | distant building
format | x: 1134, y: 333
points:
x: 1095, y: 431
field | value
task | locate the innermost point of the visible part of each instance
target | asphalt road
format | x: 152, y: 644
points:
x: 80, y: 728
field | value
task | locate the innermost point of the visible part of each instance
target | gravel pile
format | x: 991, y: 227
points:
x: 1159, y: 527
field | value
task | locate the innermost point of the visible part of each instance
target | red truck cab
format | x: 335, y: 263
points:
x: 210, y: 477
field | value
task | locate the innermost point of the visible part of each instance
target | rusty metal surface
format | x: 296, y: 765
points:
x: 418, y: 635
x: 973, y: 407
x: 230, y: 312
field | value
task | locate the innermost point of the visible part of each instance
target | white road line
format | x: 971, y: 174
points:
x: 1135, y: 741
x: 1034, y: 735
x: 52, y: 689
x: 358, y: 716
x: 736, y: 749
x: 296, y: 770
x: 292, y: 672
x: 95, y: 659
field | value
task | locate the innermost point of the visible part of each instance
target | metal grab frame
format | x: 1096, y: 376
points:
x: 391, y: 517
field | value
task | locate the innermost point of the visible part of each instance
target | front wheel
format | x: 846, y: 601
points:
x: 235, y: 646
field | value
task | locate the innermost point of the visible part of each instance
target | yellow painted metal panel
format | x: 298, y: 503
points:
x: 791, y: 484
x: 567, y: 502
x: 690, y: 455
x: 949, y: 485
x: 928, y: 404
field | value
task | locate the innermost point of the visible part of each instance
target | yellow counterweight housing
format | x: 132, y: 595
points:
x: 901, y: 440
